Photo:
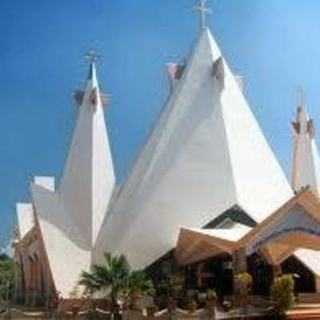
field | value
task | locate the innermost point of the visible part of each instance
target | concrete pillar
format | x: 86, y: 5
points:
x: 42, y: 292
x: 32, y: 283
x: 18, y: 285
x: 276, y: 270
x: 37, y: 283
x: 49, y: 290
x: 239, y: 260
x: 199, y: 275
x: 317, y: 281
x: 41, y: 280
x: 28, y: 279
x: 38, y: 291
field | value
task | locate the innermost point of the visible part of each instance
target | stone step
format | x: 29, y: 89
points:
x: 309, y: 298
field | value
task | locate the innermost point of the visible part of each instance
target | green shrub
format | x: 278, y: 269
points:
x: 192, y: 306
x: 7, y: 268
x: 172, y: 285
x: 282, y: 293
x: 211, y: 294
x: 243, y: 282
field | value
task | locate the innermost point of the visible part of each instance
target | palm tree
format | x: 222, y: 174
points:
x: 116, y: 277
x: 111, y: 276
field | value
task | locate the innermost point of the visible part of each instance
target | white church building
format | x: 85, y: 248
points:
x: 205, y: 186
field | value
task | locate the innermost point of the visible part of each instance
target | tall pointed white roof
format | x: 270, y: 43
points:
x: 306, y: 160
x: 70, y: 218
x: 88, y: 179
x: 206, y: 154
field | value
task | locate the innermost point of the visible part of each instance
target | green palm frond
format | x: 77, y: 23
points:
x: 138, y: 282
x: 115, y: 275
x: 111, y: 275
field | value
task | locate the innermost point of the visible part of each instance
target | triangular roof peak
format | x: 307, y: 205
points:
x: 206, y: 154
x: 294, y: 225
x: 88, y: 177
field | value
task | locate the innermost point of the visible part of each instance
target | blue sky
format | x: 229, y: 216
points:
x: 272, y: 43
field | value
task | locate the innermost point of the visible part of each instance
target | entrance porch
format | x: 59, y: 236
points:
x: 264, y: 251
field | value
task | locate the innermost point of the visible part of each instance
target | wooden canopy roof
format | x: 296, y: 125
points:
x: 294, y: 225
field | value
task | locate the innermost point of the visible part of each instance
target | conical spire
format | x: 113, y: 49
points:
x: 88, y: 177
x: 306, y: 161
x: 205, y: 155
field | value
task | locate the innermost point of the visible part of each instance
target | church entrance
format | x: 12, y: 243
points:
x: 304, y: 279
x: 223, y: 275
x: 215, y: 273
x: 261, y: 273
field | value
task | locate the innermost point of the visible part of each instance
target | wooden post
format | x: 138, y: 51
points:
x: 199, y: 275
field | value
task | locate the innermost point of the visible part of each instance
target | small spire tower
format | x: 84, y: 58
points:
x: 88, y: 179
x: 306, y: 161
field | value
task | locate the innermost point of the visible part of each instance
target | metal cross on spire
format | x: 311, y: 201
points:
x: 203, y: 10
x: 92, y: 56
x: 301, y: 96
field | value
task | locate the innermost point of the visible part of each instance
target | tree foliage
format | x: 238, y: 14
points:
x: 282, y: 293
x: 6, y: 277
x: 116, y: 278
x: 244, y: 282
x: 139, y: 283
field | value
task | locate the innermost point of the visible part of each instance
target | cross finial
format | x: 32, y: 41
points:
x: 300, y: 96
x: 203, y: 12
x: 92, y: 56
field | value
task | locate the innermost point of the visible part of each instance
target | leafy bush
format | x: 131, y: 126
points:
x: 6, y: 277
x: 282, y: 293
x: 116, y: 277
x: 192, y: 306
x: 243, y: 283
x: 172, y: 285
x: 211, y: 294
